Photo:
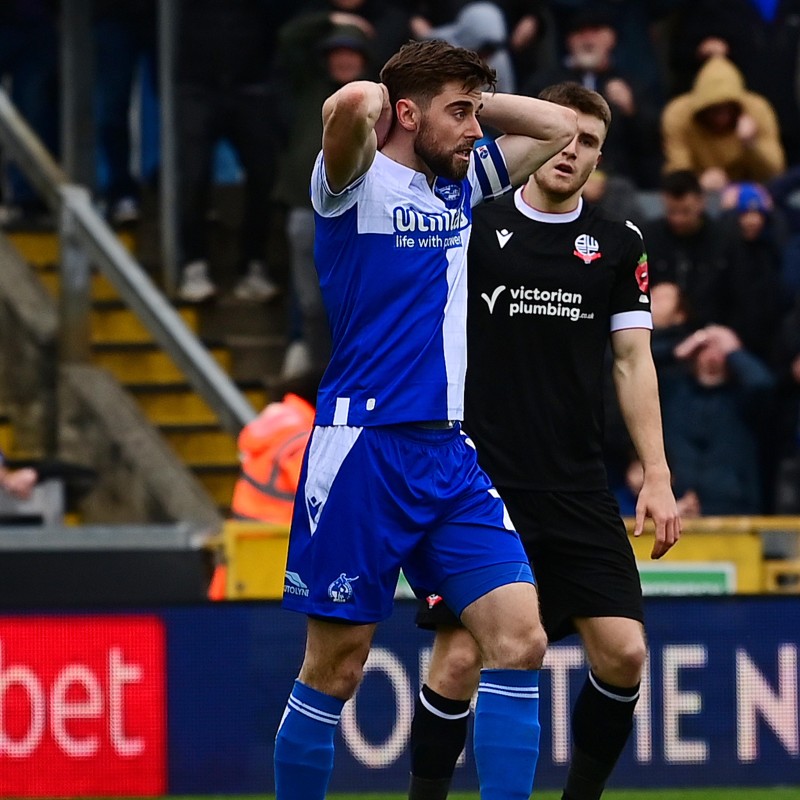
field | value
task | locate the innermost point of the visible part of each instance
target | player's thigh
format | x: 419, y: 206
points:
x: 615, y: 648
x: 505, y: 623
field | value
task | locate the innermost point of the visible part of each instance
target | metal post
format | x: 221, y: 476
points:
x: 76, y: 296
x: 168, y: 11
x: 77, y: 110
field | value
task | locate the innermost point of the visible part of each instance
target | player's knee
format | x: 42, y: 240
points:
x: 456, y: 675
x: 517, y: 649
x: 336, y: 678
x: 623, y: 666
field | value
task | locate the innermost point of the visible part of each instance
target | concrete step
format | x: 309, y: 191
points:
x: 228, y: 316
x: 6, y: 436
x: 172, y: 404
x: 114, y: 323
x: 202, y: 445
x: 219, y: 482
x: 255, y: 358
x: 144, y: 363
x: 102, y: 288
x: 41, y: 248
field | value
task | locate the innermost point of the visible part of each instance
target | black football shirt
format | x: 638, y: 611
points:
x: 545, y: 292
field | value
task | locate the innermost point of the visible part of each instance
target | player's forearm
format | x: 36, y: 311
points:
x: 528, y: 116
x: 637, y: 392
x: 349, y: 137
x: 355, y: 107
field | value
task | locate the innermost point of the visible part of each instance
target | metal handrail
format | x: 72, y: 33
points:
x: 82, y: 227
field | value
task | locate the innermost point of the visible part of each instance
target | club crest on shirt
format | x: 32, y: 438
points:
x: 449, y: 192
x: 587, y: 248
x: 341, y: 590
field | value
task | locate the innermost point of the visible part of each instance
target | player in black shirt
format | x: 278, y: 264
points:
x: 550, y: 279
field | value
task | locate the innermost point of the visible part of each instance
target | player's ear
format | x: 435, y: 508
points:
x: 599, y: 159
x: 408, y: 114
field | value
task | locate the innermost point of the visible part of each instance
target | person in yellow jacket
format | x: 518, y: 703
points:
x: 720, y: 131
x: 271, y: 449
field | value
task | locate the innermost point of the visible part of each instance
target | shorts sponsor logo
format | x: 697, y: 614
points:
x: 341, y: 590
x: 293, y: 584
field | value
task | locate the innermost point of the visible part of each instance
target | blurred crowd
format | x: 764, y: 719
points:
x: 703, y: 155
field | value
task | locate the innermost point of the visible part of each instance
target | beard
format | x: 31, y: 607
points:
x: 556, y: 189
x: 438, y: 161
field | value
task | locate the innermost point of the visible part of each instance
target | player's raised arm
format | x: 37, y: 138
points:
x: 353, y: 119
x: 534, y: 130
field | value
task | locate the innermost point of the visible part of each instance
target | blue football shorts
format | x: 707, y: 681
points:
x: 374, y: 500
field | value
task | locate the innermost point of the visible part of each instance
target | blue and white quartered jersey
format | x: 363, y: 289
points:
x: 391, y: 256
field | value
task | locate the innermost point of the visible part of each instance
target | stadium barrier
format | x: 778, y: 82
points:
x: 716, y: 555
x: 186, y: 700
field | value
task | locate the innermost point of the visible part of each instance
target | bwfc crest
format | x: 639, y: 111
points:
x: 587, y: 248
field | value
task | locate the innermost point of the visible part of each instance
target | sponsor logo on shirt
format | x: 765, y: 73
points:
x: 587, y: 248
x: 539, y: 302
x: 503, y: 236
x: 424, y: 230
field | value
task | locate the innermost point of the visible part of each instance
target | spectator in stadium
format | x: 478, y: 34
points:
x: 124, y: 38
x: 315, y: 57
x: 481, y: 27
x: 761, y: 37
x: 29, y: 58
x: 615, y: 195
x: 223, y: 90
x: 389, y: 480
x: 384, y: 22
x: 535, y: 416
x: 18, y: 483
x: 721, y: 131
x: 632, y: 148
x: 686, y: 245
x: 711, y: 421
x: 749, y: 294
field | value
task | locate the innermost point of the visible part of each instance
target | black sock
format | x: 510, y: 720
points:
x: 602, y: 720
x: 438, y: 735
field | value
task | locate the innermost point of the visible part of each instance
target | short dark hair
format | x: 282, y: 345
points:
x: 680, y: 182
x: 419, y: 70
x: 579, y: 98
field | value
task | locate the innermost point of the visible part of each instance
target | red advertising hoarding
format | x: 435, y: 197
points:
x: 82, y: 706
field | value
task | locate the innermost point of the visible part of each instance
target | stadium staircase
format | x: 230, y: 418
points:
x: 245, y: 339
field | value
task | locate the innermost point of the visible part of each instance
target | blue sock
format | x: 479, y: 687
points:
x: 507, y: 733
x: 304, y: 744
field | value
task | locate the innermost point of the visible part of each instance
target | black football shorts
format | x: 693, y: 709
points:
x: 581, y: 558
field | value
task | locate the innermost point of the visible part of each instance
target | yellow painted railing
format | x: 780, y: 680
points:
x: 728, y: 548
